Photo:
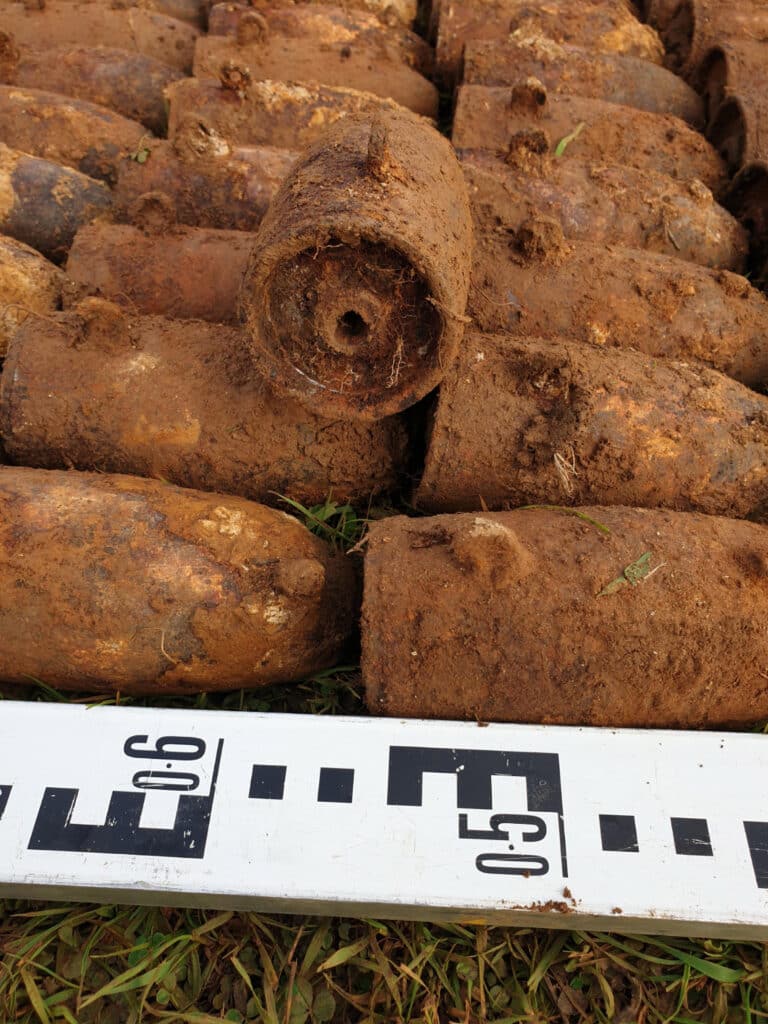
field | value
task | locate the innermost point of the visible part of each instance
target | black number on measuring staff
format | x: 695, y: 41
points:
x: 168, y: 748
x: 179, y: 782
x: 507, y: 863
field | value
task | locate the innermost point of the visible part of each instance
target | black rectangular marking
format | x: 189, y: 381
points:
x: 474, y: 771
x: 757, y: 838
x: 5, y: 792
x: 336, y: 785
x: 267, y: 782
x: 618, y: 833
x: 691, y: 837
x: 121, y: 833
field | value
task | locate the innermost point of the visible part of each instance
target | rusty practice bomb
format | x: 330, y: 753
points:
x: 575, y: 71
x: 329, y: 23
x: 604, y: 203
x: 598, y: 25
x: 193, y: 11
x: 141, y: 587
x: 597, y: 616
x: 183, y: 272
x: 658, y: 13
x: 207, y: 182
x: 732, y: 67
x: 43, y: 204
x: 282, y: 114
x: 81, y: 135
x: 357, y: 284
x: 659, y: 305
x: 126, y: 82
x: 97, y: 388
x: 223, y: 18
x: 738, y: 130
x: 71, y: 23
x: 28, y: 284
x: 523, y: 421
x: 328, y: 46
x: 689, y: 28
x: 492, y: 118
x: 747, y: 199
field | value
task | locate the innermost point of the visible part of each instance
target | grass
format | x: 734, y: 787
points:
x: 339, y: 525
x: 118, y: 965
x: 563, y: 144
x: 87, y: 964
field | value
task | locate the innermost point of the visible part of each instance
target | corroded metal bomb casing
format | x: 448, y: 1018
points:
x: 747, y: 199
x: 739, y: 129
x: 193, y: 11
x: 611, y: 204
x: 72, y: 23
x: 612, y: 617
x: 207, y: 181
x: 732, y: 67
x: 313, y: 43
x: 490, y: 117
x: 523, y: 421
x: 89, y: 138
x: 282, y: 114
x: 28, y: 284
x: 658, y: 305
x: 598, y: 25
x: 182, y: 272
x: 659, y: 13
x: 141, y: 587
x: 576, y: 71
x: 100, y: 389
x: 691, y: 27
x: 328, y: 24
x: 356, y: 289
x: 43, y: 204
x: 128, y: 83
x: 224, y: 18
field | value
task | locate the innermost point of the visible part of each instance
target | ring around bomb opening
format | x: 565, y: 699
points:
x: 350, y: 315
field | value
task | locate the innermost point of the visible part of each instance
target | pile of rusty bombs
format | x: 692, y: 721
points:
x: 720, y: 50
x: 240, y: 264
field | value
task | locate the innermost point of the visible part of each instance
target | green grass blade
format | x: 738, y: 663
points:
x: 563, y: 144
x: 717, y: 972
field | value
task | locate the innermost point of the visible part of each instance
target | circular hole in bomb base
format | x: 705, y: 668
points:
x: 351, y: 328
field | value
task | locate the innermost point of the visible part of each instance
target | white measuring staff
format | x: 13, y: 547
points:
x: 626, y: 830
